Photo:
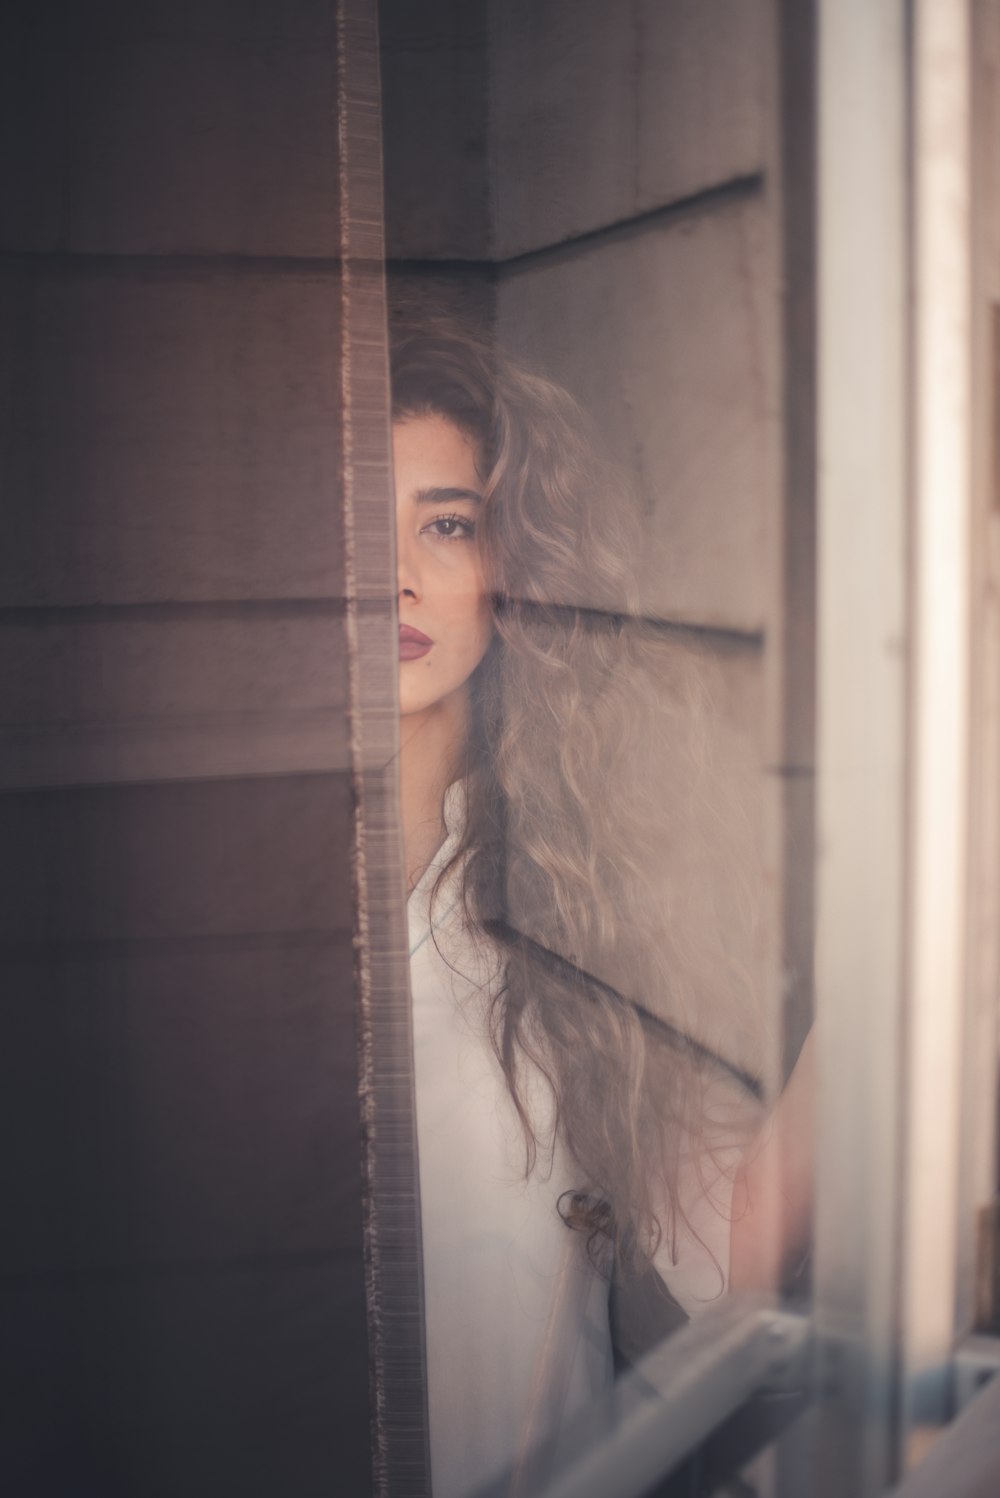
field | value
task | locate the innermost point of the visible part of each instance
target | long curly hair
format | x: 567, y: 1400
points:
x: 569, y: 809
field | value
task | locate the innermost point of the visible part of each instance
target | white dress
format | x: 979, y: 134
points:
x: 516, y: 1314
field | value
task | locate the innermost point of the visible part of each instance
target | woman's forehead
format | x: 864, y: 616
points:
x: 433, y: 443
x: 434, y: 450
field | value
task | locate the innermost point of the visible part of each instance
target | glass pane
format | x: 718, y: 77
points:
x: 604, y: 546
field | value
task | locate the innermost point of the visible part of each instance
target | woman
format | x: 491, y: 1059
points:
x: 576, y: 1124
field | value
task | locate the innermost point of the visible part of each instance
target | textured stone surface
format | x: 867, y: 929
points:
x: 171, y: 694
x: 707, y: 794
x: 169, y: 438
x: 199, y: 747
x: 165, y: 862
x: 466, y: 292
x: 598, y: 110
x: 170, y: 664
x: 183, y: 1303
x: 603, y: 110
x: 435, y: 121
x: 191, y: 149
x: 220, y: 23
x: 702, y: 94
x: 664, y: 336
x: 34, y: 129
x: 140, y: 131
x: 430, y: 24
x: 437, y: 182
x: 689, y: 797
x: 564, y: 119
x: 187, y: 1381
x: 100, y: 1049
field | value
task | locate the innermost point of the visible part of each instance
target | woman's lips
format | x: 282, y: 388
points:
x: 412, y: 644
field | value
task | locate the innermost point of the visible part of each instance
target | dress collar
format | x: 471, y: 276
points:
x: 418, y: 906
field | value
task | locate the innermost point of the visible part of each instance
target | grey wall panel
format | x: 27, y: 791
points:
x: 435, y: 129
x: 34, y: 103
x: 172, y: 692
x: 222, y: 23
x: 467, y: 292
x: 170, y: 438
x: 236, y: 158
x: 702, y: 791
x: 604, y: 110
x: 183, y: 1255
x: 97, y: 666
x: 564, y: 119
x: 204, y: 858
x: 703, y: 70
x: 711, y: 863
x: 426, y: 25
x: 163, y: 130
x: 217, y: 747
x: 193, y: 1383
x: 663, y: 334
x: 250, y: 1036
x: 182, y: 1286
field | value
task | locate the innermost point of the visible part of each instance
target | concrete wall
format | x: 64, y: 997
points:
x: 636, y: 237
x: 182, y: 1296
x: 603, y: 111
x: 662, y: 330
x: 435, y: 62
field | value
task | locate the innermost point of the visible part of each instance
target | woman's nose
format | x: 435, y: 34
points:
x: 408, y: 582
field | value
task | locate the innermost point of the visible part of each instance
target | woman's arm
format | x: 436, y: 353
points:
x: 773, y: 1192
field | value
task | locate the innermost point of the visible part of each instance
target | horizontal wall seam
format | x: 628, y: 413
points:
x: 36, y: 616
x: 710, y: 199
x: 180, y: 1268
x: 714, y: 634
x: 85, y: 785
x: 594, y: 620
x: 45, y: 952
x: 182, y: 266
x: 174, y: 266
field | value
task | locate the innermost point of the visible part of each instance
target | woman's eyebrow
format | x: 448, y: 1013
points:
x: 436, y: 496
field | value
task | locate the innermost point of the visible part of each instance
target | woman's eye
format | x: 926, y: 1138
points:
x: 452, y: 528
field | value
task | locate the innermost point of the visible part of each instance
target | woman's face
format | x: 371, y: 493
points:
x: 445, y: 625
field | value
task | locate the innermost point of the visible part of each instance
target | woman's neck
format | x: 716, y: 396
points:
x: 430, y: 746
